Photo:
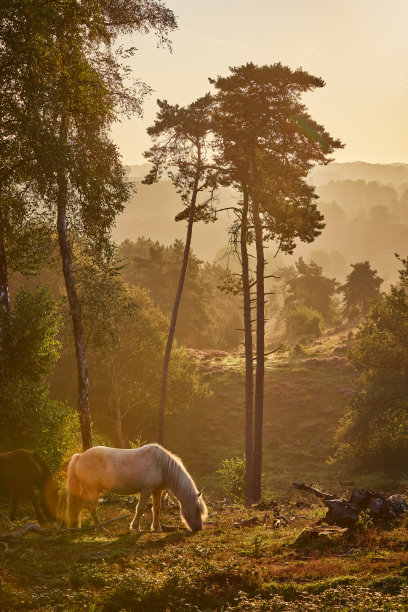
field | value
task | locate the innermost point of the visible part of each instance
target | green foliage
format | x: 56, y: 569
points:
x: 309, y: 287
x: 232, y: 476
x: 362, y: 286
x: 127, y: 373
x: 303, y: 321
x: 104, y: 298
x: 30, y: 345
x: 181, y: 149
x: 208, y: 317
x: 259, y: 119
x: 373, y: 433
x: 28, y: 417
x: 365, y: 520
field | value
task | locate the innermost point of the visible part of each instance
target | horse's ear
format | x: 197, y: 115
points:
x: 199, y: 494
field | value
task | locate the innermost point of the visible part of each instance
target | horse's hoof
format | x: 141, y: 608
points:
x: 134, y: 529
x: 156, y: 529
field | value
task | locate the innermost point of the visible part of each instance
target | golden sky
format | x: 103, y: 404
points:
x: 359, y: 47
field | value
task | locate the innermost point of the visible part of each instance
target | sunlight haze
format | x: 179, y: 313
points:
x: 358, y: 47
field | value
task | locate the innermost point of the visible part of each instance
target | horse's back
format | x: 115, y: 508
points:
x: 20, y: 468
x: 14, y: 464
x: 119, y: 470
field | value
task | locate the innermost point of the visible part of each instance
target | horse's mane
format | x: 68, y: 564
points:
x: 178, y: 480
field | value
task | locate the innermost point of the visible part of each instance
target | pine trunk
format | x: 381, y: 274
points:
x: 260, y: 340
x: 249, y: 374
x: 173, y: 322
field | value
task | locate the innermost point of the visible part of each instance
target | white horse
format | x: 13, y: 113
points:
x: 147, y: 470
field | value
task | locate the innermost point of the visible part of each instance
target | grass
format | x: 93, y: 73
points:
x: 304, y: 400
x: 225, y: 567
x: 229, y: 566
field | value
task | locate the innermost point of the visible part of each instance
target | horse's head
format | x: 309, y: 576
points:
x: 194, y: 513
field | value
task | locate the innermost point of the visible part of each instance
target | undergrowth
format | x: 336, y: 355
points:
x: 225, y: 567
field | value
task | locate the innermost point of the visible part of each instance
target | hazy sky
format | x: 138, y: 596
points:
x: 359, y: 47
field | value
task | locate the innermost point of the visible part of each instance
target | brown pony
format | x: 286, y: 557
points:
x: 23, y: 471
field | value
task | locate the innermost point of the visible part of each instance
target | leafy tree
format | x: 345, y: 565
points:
x: 208, y: 318
x: 26, y: 243
x: 125, y: 336
x: 69, y: 87
x: 309, y: 287
x: 127, y: 374
x: 362, y: 286
x: 373, y: 434
x: 28, y: 417
x: 268, y: 143
x: 157, y: 268
x: 180, y: 147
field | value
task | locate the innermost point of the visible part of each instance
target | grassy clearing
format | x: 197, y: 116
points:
x: 304, y: 399
x: 229, y: 566
x: 225, y: 567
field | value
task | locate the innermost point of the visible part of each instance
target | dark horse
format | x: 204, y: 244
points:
x: 23, y: 471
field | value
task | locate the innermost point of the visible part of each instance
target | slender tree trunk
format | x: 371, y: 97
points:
x: 249, y: 373
x: 4, y: 289
x: 173, y: 322
x: 74, y: 305
x: 119, y: 427
x: 260, y: 338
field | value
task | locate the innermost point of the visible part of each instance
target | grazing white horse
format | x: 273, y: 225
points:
x: 147, y: 470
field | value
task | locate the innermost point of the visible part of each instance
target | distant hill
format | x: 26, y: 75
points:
x: 393, y: 174
x: 151, y: 212
x: 368, y: 222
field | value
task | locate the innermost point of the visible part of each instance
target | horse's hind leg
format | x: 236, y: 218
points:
x: 156, y: 499
x: 92, y: 505
x: 74, y: 507
x: 144, y: 496
x: 94, y: 513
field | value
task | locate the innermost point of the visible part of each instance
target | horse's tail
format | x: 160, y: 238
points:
x: 74, y: 499
x: 47, y: 487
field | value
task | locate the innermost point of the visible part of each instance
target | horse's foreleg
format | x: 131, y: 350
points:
x: 44, y: 507
x: 144, y: 496
x: 31, y: 496
x: 156, y: 498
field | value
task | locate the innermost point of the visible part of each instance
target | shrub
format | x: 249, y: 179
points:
x: 28, y: 416
x: 232, y: 475
x: 303, y: 321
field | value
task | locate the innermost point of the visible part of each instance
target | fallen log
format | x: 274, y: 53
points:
x: 346, y: 513
x: 309, y: 535
x: 22, y: 531
x: 75, y: 530
x: 51, y: 531
x: 304, y: 487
